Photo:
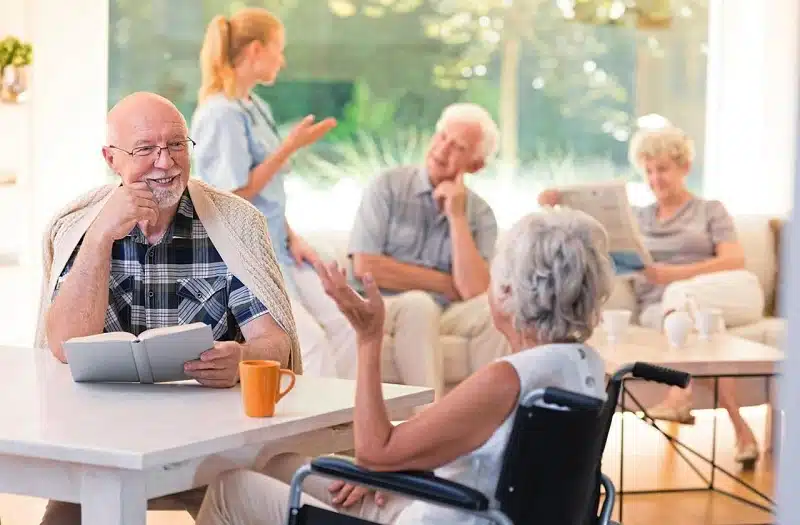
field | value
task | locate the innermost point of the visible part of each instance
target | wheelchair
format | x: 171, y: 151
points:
x: 551, y: 465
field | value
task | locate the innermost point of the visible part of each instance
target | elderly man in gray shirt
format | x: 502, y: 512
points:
x: 427, y: 240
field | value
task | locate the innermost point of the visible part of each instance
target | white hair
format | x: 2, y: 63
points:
x: 467, y: 112
x: 552, y: 274
x: 668, y: 141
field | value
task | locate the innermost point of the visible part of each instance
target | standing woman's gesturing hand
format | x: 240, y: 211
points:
x: 365, y: 315
x: 307, y: 132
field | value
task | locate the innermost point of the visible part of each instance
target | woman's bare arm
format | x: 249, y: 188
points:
x: 458, y: 424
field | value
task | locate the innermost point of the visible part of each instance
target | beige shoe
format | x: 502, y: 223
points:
x: 666, y: 412
x: 747, y: 454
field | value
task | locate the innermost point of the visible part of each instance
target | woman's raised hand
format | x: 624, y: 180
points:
x: 365, y: 315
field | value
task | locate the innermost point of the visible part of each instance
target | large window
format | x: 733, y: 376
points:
x: 567, y: 95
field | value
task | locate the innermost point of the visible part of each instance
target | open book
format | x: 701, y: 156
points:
x: 156, y: 356
x: 608, y: 203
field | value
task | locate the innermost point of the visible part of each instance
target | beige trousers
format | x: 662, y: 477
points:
x: 472, y: 320
x: 415, y: 325
x: 737, y: 293
x: 243, y: 497
x: 412, y: 342
x: 62, y: 513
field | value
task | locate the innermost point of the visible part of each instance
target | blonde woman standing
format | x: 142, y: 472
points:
x: 239, y: 149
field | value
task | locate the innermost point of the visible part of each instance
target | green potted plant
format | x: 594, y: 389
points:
x: 15, y: 57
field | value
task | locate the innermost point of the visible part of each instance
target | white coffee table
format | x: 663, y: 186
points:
x: 113, y: 447
x: 723, y: 355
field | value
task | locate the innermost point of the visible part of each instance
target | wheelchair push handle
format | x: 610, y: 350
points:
x: 661, y: 374
x: 569, y: 399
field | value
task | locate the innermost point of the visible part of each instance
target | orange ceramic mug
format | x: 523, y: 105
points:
x: 261, y: 386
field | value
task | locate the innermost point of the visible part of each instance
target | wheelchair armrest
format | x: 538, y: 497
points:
x: 421, y: 485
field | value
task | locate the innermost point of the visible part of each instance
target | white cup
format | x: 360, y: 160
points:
x: 616, y: 324
x: 708, y: 322
x: 677, y: 326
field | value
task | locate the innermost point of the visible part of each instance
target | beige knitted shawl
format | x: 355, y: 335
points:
x: 236, y: 228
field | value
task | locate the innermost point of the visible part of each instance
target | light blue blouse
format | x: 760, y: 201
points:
x: 233, y: 137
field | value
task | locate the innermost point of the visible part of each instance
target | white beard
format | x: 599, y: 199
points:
x: 166, y: 197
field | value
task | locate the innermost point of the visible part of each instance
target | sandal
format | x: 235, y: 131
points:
x: 747, y: 454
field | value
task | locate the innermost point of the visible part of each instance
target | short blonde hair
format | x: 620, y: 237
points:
x: 225, y: 39
x: 669, y: 141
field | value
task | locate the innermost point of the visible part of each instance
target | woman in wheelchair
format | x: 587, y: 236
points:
x: 549, y: 279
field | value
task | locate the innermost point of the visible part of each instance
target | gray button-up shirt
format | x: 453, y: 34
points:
x: 399, y: 218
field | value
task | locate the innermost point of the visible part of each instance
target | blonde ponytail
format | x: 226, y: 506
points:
x: 225, y: 39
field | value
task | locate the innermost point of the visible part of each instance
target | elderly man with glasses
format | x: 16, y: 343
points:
x: 160, y: 249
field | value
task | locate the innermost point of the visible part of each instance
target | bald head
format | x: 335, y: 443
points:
x: 147, y: 141
x: 137, y: 110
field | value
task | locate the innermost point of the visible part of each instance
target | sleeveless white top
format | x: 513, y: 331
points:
x: 571, y: 366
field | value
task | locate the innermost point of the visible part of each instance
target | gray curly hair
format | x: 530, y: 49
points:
x: 552, y: 274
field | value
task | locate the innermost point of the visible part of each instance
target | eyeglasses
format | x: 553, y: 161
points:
x: 174, y: 146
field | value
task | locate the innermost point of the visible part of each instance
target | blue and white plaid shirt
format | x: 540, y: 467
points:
x: 180, y: 280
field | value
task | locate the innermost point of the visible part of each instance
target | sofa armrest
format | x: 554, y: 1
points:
x: 415, y: 484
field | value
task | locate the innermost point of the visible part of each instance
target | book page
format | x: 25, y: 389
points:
x: 608, y: 203
x: 168, y: 349
x: 166, y: 330
x: 106, y: 337
x: 106, y: 360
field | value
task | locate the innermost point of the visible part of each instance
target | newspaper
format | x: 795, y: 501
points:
x: 608, y: 203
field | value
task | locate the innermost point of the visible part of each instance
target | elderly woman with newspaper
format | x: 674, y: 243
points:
x: 695, y: 254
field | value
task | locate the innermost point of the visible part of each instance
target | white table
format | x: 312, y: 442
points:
x: 722, y: 355
x: 111, y: 447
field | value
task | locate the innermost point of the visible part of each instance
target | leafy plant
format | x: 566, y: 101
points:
x: 362, y: 157
x: 564, y: 166
x: 14, y: 52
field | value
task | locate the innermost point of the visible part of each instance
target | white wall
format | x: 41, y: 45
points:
x: 56, y: 136
x: 14, y: 146
x: 68, y: 103
x: 13, y: 118
x: 751, y: 104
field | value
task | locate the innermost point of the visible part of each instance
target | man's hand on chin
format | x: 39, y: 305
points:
x: 451, y: 197
x: 217, y: 367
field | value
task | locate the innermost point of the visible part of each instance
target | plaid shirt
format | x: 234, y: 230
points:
x: 180, y: 280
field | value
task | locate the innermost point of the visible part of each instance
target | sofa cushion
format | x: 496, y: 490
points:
x: 622, y: 296
x: 758, y: 242
x: 769, y: 331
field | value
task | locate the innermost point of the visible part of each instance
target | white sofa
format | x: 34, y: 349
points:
x: 755, y: 234
x: 757, y: 239
x: 761, y: 258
